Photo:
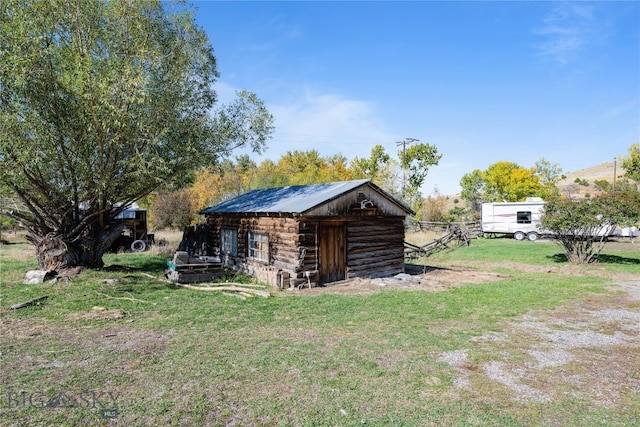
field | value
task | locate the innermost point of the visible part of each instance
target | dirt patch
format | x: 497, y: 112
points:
x: 127, y: 340
x: 431, y: 279
x: 98, y: 313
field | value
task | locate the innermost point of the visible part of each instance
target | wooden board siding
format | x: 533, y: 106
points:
x: 332, y: 265
x: 348, y: 202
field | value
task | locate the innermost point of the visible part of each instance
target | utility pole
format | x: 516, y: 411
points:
x: 404, y: 144
x: 615, y: 164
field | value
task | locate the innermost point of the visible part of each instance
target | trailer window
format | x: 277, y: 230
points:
x: 524, y: 217
x: 229, y: 241
x: 259, y: 246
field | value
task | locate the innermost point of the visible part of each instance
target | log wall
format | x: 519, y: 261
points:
x: 375, y: 246
x: 286, y: 265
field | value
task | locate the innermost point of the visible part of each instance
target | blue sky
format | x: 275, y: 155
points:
x: 482, y: 81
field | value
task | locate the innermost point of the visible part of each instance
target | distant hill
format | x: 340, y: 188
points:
x: 604, y: 171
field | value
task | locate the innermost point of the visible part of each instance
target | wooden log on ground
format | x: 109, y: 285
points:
x: 247, y: 285
x: 27, y: 303
x: 257, y: 292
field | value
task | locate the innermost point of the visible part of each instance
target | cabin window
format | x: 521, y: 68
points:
x: 524, y: 217
x: 259, y: 246
x: 229, y: 241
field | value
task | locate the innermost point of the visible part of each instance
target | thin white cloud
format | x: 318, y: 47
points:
x: 330, y: 123
x: 333, y: 124
x: 567, y: 30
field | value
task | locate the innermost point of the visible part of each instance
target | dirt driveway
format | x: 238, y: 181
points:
x: 588, y: 349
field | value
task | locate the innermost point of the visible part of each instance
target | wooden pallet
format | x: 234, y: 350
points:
x: 194, y: 272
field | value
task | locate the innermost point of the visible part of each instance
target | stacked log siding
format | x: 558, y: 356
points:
x: 370, y: 235
x: 375, y: 247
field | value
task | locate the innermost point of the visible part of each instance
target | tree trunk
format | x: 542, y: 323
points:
x: 55, y: 252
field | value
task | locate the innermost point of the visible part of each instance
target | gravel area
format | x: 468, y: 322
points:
x: 588, y: 350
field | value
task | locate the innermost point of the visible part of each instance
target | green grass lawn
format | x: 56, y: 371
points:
x: 140, y: 351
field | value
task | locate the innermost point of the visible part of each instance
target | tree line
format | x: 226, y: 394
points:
x: 502, y: 181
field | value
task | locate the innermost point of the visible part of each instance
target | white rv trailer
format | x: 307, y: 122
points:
x: 522, y: 219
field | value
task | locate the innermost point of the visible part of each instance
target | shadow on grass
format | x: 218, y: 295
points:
x: 140, y: 265
x: 494, y: 236
x: 558, y: 258
x: 616, y: 259
x: 602, y: 259
x: 417, y: 269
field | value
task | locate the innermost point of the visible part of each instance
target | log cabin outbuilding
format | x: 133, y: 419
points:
x: 310, y: 234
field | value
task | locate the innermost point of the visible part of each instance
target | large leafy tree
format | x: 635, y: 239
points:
x: 228, y: 179
x: 380, y: 168
x: 303, y: 167
x: 372, y: 166
x: 403, y: 178
x: 509, y: 182
x: 581, y: 227
x: 102, y: 102
x: 549, y: 174
x: 472, y: 188
x: 172, y: 209
x: 417, y: 159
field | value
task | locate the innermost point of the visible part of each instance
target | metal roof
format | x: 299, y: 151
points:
x: 291, y: 199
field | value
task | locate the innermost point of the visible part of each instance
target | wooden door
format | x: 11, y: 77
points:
x: 333, y: 252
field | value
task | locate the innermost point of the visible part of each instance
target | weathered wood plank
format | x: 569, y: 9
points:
x: 28, y: 303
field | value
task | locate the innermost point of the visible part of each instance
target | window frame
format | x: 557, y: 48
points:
x: 229, y: 237
x: 258, y: 246
x: 523, y: 217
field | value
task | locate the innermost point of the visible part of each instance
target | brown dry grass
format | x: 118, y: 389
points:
x: 421, y: 238
x: 166, y: 242
x: 16, y: 247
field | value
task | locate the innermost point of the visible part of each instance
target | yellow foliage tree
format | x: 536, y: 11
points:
x: 218, y: 183
x: 509, y: 182
x: 206, y: 188
x: 301, y: 168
